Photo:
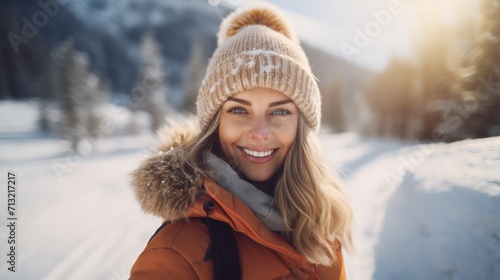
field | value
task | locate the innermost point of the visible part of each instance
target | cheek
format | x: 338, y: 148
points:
x: 287, y: 140
x: 287, y: 136
x: 228, y: 134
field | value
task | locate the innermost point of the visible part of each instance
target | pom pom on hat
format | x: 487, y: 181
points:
x: 257, y: 14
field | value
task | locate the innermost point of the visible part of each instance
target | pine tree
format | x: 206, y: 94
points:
x: 434, y: 46
x: 6, y: 52
x: 68, y: 102
x: 333, y: 106
x: 392, y: 98
x: 48, y: 92
x: 195, y: 73
x: 44, y: 99
x: 95, y: 91
x: 480, y: 116
x: 71, y: 70
x: 149, y: 93
x: 4, y: 86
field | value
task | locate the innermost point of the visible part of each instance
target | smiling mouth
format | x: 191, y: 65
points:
x: 258, y: 154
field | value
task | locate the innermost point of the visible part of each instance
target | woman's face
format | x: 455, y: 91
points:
x: 257, y: 128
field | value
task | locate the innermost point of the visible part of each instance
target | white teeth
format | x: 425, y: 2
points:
x: 258, y: 154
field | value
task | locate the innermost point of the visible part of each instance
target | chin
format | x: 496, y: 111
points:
x: 257, y: 177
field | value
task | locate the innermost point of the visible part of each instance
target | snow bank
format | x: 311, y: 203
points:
x: 443, y: 222
x: 422, y: 211
x: 18, y: 117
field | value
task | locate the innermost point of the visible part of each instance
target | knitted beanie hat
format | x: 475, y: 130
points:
x: 257, y: 48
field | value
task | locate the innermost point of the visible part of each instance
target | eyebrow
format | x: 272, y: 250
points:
x: 272, y: 104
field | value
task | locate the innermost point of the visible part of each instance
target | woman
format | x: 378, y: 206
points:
x: 255, y: 165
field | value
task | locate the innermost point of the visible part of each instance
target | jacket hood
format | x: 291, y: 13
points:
x: 160, y: 184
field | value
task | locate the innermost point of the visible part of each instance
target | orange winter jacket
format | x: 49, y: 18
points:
x: 177, y: 251
x: 164, y: 189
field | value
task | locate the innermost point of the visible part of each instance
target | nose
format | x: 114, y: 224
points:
x: 260, y: 130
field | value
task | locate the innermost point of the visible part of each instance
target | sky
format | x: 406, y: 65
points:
x: 334, y: 26
x: 366, y: 32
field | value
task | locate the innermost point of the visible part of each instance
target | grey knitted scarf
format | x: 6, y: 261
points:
x: 261, y: 204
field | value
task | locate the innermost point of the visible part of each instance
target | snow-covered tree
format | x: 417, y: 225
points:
x: 48, y: 89
x: 95, y: 92
x: 149, y: 93
x: 42, y: 84
x: 77, y: 91
x: 480, y: 116
x: 67, y: 82
x: 195, y: 73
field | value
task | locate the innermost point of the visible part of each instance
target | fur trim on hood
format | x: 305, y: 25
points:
x: 160, y: 185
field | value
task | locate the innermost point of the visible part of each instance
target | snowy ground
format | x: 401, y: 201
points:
x: 422, y: 211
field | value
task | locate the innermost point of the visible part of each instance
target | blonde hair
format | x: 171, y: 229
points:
x: 313, y: 203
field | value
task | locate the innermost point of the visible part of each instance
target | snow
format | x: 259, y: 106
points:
x: 83, y: 223
x: 445, y: 217
x: 436, y: 217
x: 422, y: 211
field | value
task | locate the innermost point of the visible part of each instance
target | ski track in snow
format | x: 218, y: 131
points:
x: 88, y: 226
x: 368, y: 191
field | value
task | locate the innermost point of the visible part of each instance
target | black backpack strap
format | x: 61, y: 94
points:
x: 223, y: 247
x: 224, y: 250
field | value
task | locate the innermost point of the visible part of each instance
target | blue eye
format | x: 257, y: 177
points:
x: 281, y: 112
x: 237, y: 110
